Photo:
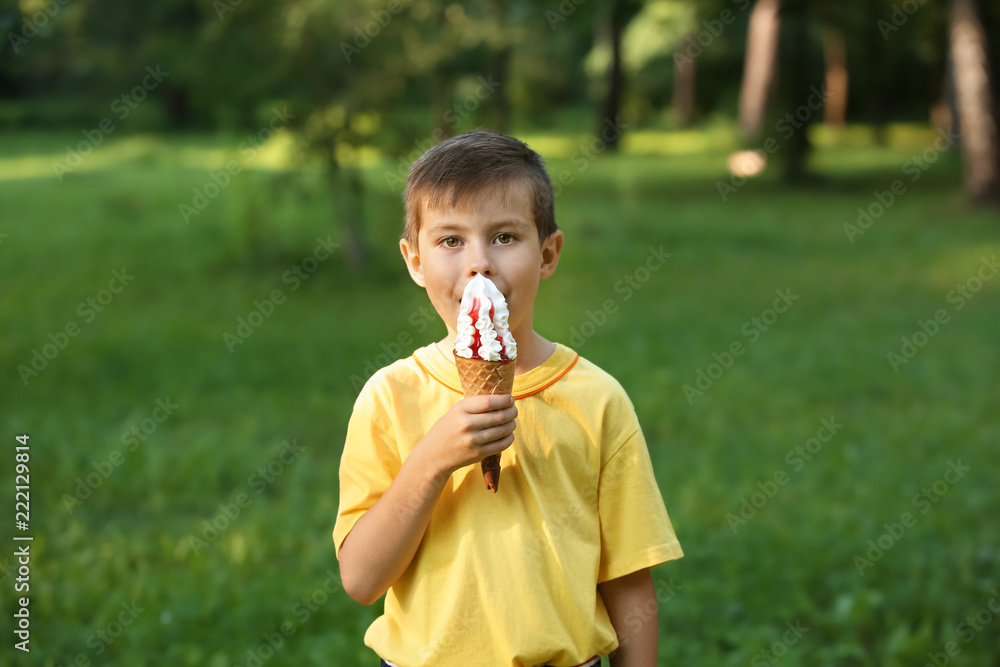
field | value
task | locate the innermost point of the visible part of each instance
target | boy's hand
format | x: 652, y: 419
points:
x: 383, y: 541
x: 474, y: 428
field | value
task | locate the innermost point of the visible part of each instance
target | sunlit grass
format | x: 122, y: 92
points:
x: 293, y: 378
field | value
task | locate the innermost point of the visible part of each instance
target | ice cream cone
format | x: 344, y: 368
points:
x: 486, y: 378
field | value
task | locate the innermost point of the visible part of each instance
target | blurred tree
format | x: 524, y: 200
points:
x: 801, y: 95
x: 660, y: 51
x: 612, y: 18
x: 879, y: 74
x: 836, y: 81
x: 683, y: 92
x: 759, y: 66
x: 372, y: 78
x: 333, y: 66
x: 975, y: 103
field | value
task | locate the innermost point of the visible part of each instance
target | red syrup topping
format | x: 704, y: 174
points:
x: 476, y: 342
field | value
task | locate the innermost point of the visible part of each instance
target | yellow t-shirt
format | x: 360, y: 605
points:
x: 510, y: 579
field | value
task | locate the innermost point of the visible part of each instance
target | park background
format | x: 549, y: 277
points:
x: 199, y: 214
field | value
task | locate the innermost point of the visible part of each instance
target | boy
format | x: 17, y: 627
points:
x: 554, y: 569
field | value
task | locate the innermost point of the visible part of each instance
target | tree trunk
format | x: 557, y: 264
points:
x: 347, y: 189
x: 798, y: 147
x: 975, y: 104
x: 944, y: 112
x: 684, y: 77
x: 759, y: 66
x: 441, y: 89
x: 878, y: 75
x: 501, y: 101
x: 835, y: 56
x: 177, y: 107
x: 611, y: 108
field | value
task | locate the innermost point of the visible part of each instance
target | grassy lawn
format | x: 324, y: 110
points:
x: 184, y: 475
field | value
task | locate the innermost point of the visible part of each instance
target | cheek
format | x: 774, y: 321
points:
x: 440, y: 290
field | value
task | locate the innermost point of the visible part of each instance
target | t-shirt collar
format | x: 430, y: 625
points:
x: 442, y: 369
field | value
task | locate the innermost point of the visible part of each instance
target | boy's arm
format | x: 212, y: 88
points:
x: 634, y: 612
x: 382, y: 543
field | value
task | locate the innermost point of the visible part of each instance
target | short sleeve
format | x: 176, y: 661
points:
x: 367, y: 467
x: 635, y: 530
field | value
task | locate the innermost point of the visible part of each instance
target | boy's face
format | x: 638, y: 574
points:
x: 484, y: 237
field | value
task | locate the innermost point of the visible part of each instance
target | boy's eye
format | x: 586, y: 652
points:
x: 450, y: 242
x: 505, y: 239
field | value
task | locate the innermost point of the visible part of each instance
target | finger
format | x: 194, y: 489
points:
x: 497, y: 446
x: 496, y: 417
x: 488, y: 435
x: 488, y: 403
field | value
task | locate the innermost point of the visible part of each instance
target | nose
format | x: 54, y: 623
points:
x: 480, y: 260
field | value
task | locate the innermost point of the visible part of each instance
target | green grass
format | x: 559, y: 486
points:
x: 826, y: 357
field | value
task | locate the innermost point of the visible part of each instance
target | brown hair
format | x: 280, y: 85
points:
x: 474, y: 164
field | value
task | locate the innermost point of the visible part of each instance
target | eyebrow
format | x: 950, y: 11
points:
x: 493, y: 224
x: 509, y: 221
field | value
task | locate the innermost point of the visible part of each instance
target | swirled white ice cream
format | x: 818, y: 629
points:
x: 482, y: 323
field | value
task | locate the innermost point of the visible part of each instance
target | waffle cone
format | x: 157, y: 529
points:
x: 480, y: 378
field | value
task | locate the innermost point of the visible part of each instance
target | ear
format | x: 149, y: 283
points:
x: 551, y: 249
x: 412, y: 258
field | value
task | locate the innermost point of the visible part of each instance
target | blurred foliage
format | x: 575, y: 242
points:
x: 230, y: 61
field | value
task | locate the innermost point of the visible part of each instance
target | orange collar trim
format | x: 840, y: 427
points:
x: 552, y: 381
x: 456, y: 387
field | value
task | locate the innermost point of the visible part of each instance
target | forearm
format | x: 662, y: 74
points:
x: 382, y: 543
x: 637, y: 647
x: 632, y: 607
